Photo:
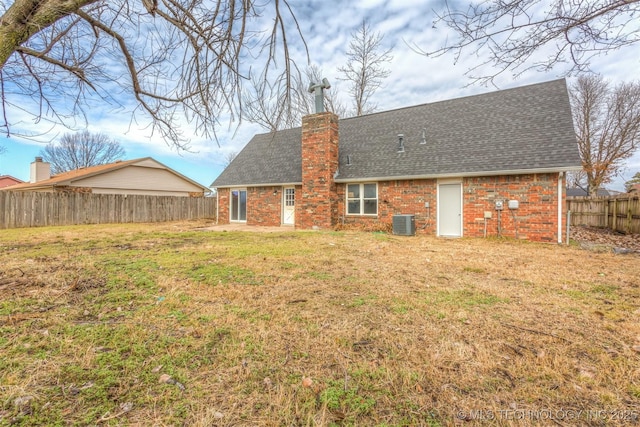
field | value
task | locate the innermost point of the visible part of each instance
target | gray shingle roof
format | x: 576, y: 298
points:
x: 579, y: 192
x: 269, y: 158
x: 515, y: 130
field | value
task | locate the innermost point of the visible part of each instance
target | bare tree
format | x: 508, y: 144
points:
x: 263, y: 104
x: 228, y: 158
x: 508, y: 33
x: 577, y: 179
x: 82, y: 149
x: 607, y: 122
x: 365, y: 67
x: 176, y: 59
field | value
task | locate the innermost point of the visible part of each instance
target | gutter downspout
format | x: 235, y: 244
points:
x: 560, y: 175
x: 217, y: 206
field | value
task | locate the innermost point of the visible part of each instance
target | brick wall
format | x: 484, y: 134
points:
x: 537, y: 214
x: 264, y: 206
x: 317, y: 207
x: 535, y: 219
x: 223, y: 205
x: 394, y: 198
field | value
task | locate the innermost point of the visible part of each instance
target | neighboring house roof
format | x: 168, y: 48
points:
x: 579, y: 192
x: 83, y: 177
x: 521, y: 130
x: 8, y: 180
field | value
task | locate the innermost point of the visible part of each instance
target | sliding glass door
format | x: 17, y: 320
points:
x: 238, y: 205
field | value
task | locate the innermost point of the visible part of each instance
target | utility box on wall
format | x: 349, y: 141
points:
x: 404, y: 225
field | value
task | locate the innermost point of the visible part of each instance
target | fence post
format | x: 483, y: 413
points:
x: 614, y: 218
x: 568, y: 224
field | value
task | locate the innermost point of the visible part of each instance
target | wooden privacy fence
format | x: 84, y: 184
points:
x: 621, y: 213
x: 35, y: 209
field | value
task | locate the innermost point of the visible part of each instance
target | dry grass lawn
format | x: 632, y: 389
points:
x: 168, y: 325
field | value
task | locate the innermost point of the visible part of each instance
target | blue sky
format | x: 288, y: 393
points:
x: 327, y: 27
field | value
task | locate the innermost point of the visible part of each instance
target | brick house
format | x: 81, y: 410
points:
x: 8, y: 181
x: 484, y: 165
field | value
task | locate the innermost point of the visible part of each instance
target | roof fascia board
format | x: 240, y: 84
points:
x: 276, y: 184
x: 40, y: 187
x: 464, y: 174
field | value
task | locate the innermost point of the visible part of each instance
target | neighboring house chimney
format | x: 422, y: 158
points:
x: 318, y: 204
x: 40, y: 170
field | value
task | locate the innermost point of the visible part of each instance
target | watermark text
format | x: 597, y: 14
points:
x: 622, y: 415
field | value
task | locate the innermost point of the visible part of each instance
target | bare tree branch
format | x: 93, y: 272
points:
x: 81, y: 150
x: 265, y: 103
x: 178, y: 60
x: 509, y: 34
x: 365, y: 68
x: 607, y: 122
x: 228, y: 158
x: 77, y: 71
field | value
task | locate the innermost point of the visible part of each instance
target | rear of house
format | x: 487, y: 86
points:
x: 484, y: 165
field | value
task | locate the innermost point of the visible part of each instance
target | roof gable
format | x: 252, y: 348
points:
x: 522, y: 129
x: 75, y: 177
x: 8, y: 181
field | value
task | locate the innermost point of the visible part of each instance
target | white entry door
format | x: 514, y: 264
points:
x: 289, y: 206
x: 450, y: 210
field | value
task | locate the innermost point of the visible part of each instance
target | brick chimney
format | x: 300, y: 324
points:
x: 318, y: 204
x: 39, y: 170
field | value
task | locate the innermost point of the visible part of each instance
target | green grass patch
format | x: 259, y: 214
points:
x: 464, y: 298
x: 349, y: 400
x: 362, y: 300
x: 218, y: 274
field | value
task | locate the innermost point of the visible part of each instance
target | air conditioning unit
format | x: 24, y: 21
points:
x: 404, y: 225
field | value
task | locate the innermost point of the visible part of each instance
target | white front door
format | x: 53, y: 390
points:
x: 450, y: 209
x: 289, y: 206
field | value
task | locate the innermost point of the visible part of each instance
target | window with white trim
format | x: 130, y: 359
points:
x: 289, y: 197
x: 362, y: 199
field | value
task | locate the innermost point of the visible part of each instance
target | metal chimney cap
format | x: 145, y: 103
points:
x: 317, y: 88
x: 324, y: 84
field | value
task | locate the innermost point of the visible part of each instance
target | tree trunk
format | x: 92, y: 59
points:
x: 28, y: 17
